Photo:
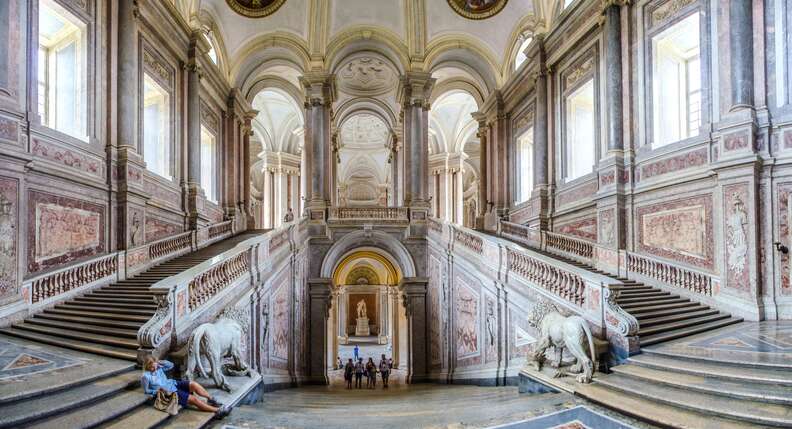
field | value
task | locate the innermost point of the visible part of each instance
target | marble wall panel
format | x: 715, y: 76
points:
x: 281, y: 321
x: 81, y: 162
x: 783, y: 219
x: 62, y: 229
x: 491, y: 329
x: 11, y: 39
x: 158, y: 228
x: 672, y: 164
x: 607, y: 227
x: 435, y: 315
x: 584, y: 192
x: 680, y: 229
x: 9, y: 130
x: 467, y: 310
x: 736, y: 230
x: 9, y: 225
x: 522, y: 335
x: 584, y: 228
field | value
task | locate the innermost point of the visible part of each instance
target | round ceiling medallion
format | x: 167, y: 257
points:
x: 255, y: 8
x: 477, y: 9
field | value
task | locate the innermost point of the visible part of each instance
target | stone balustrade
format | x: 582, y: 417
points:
x: 43, y: 287
x: 220, y: 229
x: 169, y: 246
x: 676, y: 276
x: 466, y: 239
x: 567, y: 285
x: 207, y: 284
x: 368, y: 213
x: 564, y: 243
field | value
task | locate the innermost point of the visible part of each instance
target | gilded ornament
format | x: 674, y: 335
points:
x: 255, y: 8
x: 477, y: 9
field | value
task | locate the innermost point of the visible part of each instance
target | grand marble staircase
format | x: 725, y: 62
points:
x: 104, y: 322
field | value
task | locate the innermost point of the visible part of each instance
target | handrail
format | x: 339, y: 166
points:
x: 57, y: 282
x: 568, y: 244
x: 366, y: 213
x: 170, y: 245
x: 684, y: 278
x: 220, y: 228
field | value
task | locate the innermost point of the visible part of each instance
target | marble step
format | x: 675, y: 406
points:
x: 25, y: 411
x: 89, y: 321
x: 119, y: 289
x: 627, y: 293
x: 658, y: 413
x: 669, y: 312
x: 129, y: 286
x: 627, y: 301
x: 82, y: 302
x: 98, y: 314
x: 751, y: 411
x: 637, y: 306
x: 105, y: 339
x: 635, y: 311
x: 97, y: 413
x: 189, y: 419
x: 684, y: 332
x: 646, y: 323
x: 681, y: 324
x: 114, y: 300
x: 741, y: 372
x: 85, y: 307
x: 90, y: 347
x: 133, y: 282
x: 121, y: 294
x: 91, y: 329
x: 142, y: 417
x: 771, y: 361
x: 777, y: 394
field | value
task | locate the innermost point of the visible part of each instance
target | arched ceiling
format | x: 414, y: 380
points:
x: 279, y: 122
x: 451, y: 125
x: 363, y: 154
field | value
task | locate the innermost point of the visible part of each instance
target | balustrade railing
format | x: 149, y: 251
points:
x: 221, y: 228
x: 472, y: 242
x: 684, y: 278
x: 170, y: 245
x: 368, y: 213
x: 568, y: 244
x: 567, y: 285
x: 435, y: 225
x: 207, y: 284
x: 67, y: 279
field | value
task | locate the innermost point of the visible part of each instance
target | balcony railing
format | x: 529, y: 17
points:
x: 368, y: 213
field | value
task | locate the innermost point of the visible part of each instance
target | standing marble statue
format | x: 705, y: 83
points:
x: 361, y: 309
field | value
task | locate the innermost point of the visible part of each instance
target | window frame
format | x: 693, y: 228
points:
x: 166, y: 123
x: 212, y: 195
x: 520, y: 194
x: 589, y: 51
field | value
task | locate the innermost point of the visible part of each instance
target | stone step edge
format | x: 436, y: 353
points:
x: 686, y: 332
x: 732, y: 363
x: 84, y: 337
x: 654, y: 376
x: 96, y: 414
x: 682, y: 323
x: 69, y: 344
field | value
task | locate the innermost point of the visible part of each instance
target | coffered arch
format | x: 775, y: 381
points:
x: 279, y: 45
x: 363, y: 38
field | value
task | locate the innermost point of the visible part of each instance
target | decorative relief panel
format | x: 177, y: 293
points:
x: 736, y: 229
x: 9, y: 224
x: 582, y: 193
x: 673, y: 164
x: 280, y: 321
x: 607, y: 227
x: 255, y: 8
x: 583, y: 228
x: 62, y: 229
x: 521, y: 334
x: 366, y: 75
x: 490, y: 329
x: 467, y: 309
x: 69, y: 158
x: 157, y: 67
x: 525, y: 120
x: 679, y: 230
x: 578, y: 73
x: 667, y: 10
x: 477, y: 9
x: 9, y: 130
x: 209, y: 118
x: 435, y: 314
x: 783, y: 216
x: 157, y: 228
x: 788, y: 140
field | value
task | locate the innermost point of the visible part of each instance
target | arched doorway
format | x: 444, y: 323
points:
x: 366, y: 312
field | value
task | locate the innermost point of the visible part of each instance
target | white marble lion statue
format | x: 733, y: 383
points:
x: 571, y: 333
x: 214, y: 342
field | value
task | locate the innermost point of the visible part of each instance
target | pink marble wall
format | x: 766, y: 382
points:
x: 521, y: 334
x: 467, y: 310
x: 736, y: 231
x: 157, y: 229
x: 581, y: 193
x: 9, y: 225
x: 680, y: 230
x: 11, y: 40
x: 435, y: 315
x: 784, y: 191
x: 68, y: 158
x: 673, y: 164
x: 583, y: 228
x: 607, y: 227
x: 9, y: 130
x: 62, y: 229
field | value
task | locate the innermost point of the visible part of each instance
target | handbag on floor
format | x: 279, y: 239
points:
x: 167, y: 402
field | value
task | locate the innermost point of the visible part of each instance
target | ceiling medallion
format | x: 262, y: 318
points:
x: 477, y: 9
x: 255, y: 8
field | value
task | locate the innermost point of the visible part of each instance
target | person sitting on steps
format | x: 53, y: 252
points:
x: 188, y: 392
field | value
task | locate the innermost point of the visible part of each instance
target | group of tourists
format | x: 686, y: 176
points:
x: 369, y: 369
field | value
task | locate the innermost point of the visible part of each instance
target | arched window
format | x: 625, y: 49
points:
x: 520, y: 58
x: 567, y: 3
x: 212, y: 49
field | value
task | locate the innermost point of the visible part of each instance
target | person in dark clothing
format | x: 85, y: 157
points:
x: 384, y: 369
x: 371, y: 372
x: 359, y: 369
x: 349, y: 369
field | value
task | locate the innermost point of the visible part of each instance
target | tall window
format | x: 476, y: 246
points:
x: 567, y: 3
x: 208, y: 164
x: 676, y: 77
x: 525, y: 167
x: 580, y: 131
x: 156, y: 127
x: 520, y: 58
x: 212, y: 50
x: 62, y: 70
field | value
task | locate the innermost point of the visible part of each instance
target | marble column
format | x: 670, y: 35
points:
x: 498, y: 156
x: 319, y: 291
x: 482, y: 183
x: 268, y: 201
x: 320, y: 93
x: 281, y: 187
x: 613, y: 75
x: 247, y: 132
x: 414, y: 91
x: 741, y: 44
x: 540, y: 196
x: 413, y: 290
x: 393, y: 294
x: 195, y: 194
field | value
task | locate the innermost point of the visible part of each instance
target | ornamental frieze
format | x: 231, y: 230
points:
x: 668, y: 10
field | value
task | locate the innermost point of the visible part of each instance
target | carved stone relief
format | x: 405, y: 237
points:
x: 280, y: 321
x: 736, y: 234
x: 583, y: 228
x: 467, y: 310
x: 366, y: 75
x: 9, y: 224
x: 679, y: 229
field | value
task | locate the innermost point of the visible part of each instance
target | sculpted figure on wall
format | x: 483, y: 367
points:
x: 736, y: 238
x: 361, y: 309
x: 7, y: 246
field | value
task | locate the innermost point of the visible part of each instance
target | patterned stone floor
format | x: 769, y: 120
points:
x: 423, y: 406
x: 27, y: 367
x: 768, y: 342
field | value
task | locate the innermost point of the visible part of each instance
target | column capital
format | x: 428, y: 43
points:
x: 415, y: 89
x: 320, y: 88
x: 618, y: 3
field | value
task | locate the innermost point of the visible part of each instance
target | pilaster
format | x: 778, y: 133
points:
x: 320, y: 93
x: 319, y: 294
x: 413, y: 291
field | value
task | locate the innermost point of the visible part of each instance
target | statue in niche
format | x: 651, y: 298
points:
x: 135, y: 230
x: 265, y: 320
x: 7, y: 246
x: 491, y: 323
x: 361, y: 309
x: 736, y: 237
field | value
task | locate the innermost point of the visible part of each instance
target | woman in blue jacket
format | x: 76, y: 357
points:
x: 154, y: 379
